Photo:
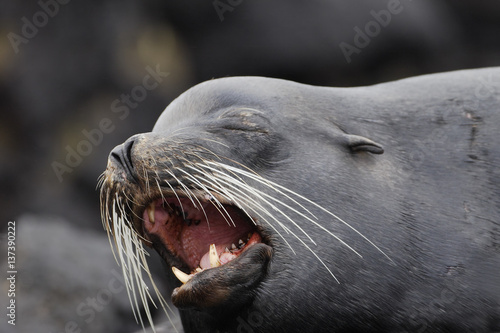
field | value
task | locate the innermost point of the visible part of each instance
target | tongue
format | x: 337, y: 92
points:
x: 205, y: 261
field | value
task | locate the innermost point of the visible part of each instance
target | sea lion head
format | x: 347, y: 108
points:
x: 235, y: 188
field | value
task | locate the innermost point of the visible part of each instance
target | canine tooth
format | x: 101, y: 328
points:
x: 240, y: 242
x: 151, y: 212
x: 233, y: 247
x: 183, y: 277
x: 214, y: 257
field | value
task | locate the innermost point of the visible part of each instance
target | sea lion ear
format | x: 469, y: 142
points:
x: 359, y: 143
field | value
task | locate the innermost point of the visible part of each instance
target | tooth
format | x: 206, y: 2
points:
x: 183, y: 277
x: 233, y: 247
x: 226, y: 249
x: 214, y: 257
x: 151, y: 212
x: 240, y: 242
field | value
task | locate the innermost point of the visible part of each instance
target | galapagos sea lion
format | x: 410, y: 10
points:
x: 285, y: 207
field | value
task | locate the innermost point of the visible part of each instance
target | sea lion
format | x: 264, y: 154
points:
x: 285, y: 207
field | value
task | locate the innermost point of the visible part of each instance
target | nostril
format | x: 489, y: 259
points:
x: 115, y: 154
x: 122, y: 154
x: 127, y: 148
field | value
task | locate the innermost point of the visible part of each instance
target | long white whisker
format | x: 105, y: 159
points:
x: 174, y: 191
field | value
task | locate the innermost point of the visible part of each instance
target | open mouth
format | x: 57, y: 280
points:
x: 217, y: 247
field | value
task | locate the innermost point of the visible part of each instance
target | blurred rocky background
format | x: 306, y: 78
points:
x: 79, y: 77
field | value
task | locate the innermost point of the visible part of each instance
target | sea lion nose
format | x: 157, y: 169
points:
x: 122, y: 155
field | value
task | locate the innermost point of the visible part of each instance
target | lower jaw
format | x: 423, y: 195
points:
x: 228, y: 287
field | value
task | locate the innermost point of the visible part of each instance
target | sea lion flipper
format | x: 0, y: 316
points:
x: 359, y: 143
